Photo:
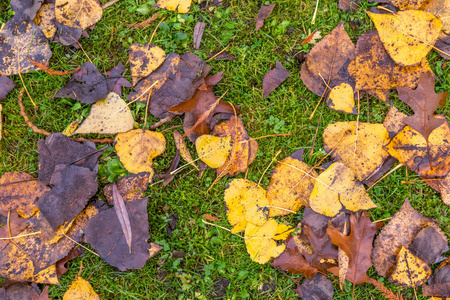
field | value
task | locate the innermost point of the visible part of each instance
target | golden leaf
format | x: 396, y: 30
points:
x: 144, y: 59
x: 410, y: 271
x: 341, y: 98
x: 213, y: 150
x: 181, y: 5
x: 80, y: 289
x: 78, y: 14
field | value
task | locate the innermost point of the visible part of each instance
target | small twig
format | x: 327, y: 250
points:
x: 273, y: 159
x: 157, y: 26
x: 20, y: 236
x: 170, y: 128
x: 218, y: 53
x: 163, y: 121
x: 221, y: 227
x: 106, y: 5
x: 384, y: 8
x: 382, y: 220
x: 385, y: 175
x: 313, y: 21
x: 23, y: 83
x: 85, y: 248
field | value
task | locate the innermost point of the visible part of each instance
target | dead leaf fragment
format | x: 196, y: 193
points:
x: 198, y: 34
x: 440, y: 9
x: 439, y: 283
x: 115, y: 80
x: 319, y: 287
x: 263, y: 14
x: 213, y: 150
x: 400, y: 230
x: 78, y: 14
x: 429, y: 245
x: 410, y: 271
x: 413, y: 150
x: 357, y: 145
x: 180, y: 144
x: 144, y: 59
x: 342, y: 98
x: 408, y: 35
x: 337, y: 188
x: 80, y: 289
x: 130, y: 187
x: 261, y: 240
x: 6, y: 86
x: 137, y: 148
x: 394, y: 121
x: 109, y: 116
x: 290, y: 187
x: 182, y: 6
x: 424, y: 101
x: 274, y: 78
x: 45, y: 20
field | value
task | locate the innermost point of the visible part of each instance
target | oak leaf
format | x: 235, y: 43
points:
x: 357, y: 245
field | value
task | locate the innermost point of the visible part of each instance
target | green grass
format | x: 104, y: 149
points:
x: 211, y: 253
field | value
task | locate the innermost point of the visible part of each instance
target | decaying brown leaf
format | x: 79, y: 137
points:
x: 357, y: 245
x: 274, y: 78
x: 326, y: 63
x: 263, y: 14
x: 6, y: 86
x: 394, y: 121
x: 439, y: 283
x: 410, y: 270
x: 429, y: 244
x: 245, y: 148
x: 319, y: 287
x: 400, y: 230
x: 290, y: 187
x: 198, y: 34
x: 180, y: 144
x: 62, y: 265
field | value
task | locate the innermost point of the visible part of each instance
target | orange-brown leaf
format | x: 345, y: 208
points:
x: 48, y: 70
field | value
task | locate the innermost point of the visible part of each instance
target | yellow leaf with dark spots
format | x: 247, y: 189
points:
x: 137, y: 148
x: 80, y: 289
x: 213, y: 150
x: 410, y: 271
x: 342, y: 98
x: 182, y: 6
x: 79, y: 14
x: 144, y: 59
x: 408, y: 35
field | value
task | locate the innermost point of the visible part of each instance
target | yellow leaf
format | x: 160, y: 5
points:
x: 261, y: 240
x: 137, y: 148
x: 246, y: 202
x: 290, y: 186
x: 70, y: 128
x: 144, y: 59
x: 440, y: 9
x: 412, y: 150
x: 184, y: 151
x: 109, y: 116
x: 338, y: 187
x: 181, y: 5
x: 357, y: 145
x: 342, y: 98
x: 213, y: 150
x: 78, y: 14
x: 410, y: 271
x: 408, y: 35
x: 45, y: 20
x: 80, y: 289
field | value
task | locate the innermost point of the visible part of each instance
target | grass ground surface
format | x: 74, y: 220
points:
x: 213, y: 255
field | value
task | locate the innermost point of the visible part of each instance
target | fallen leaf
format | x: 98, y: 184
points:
x: 410, y: 270
x: 182, y: 6
x: 373, y: 68
x: 19, y: 191
x: 443, y: 44
x: 145, y: 23
x: 413, y: 150
x: 198, y: 34
x: 154, y: 249
x: 108, y: 116
x: 357, y: 245
x: 442, y: 185
x: 20, y: 38
x: 439, y: 283
x: 429, y: 245
x: 263, y: 14
x: 104, y: 233
x: 6, y: 86
x: 122, y: 215
x: 319, y: 287
x: 312, y: 38
x: 80, y: 289
x: 116, y: 81
x: 336, y: 188
x: 394, y: 121
x: 261, y: 240
x: 58, y: 149
x: 211, y: 218
x: 424, y: 101
x: 144, y: 59
x: 246, y: 202
x: 45, y: 18
x: 180, y: 144
x: 22, y: 291
x: 274, y: 78
x: 168, y: 176
x: 292, y: 260
x: 130, y: 187
x: 441, y: 10
x: 178, y: 78
x: 204, y: 102
x: 322, y: 253
x: 78, y: 14
x: 137, y: 148
x: 62, y: 265
x: 408, y: 4
x: 342, y: 98
x: 86, y: 85
x: 290, y: 187
x: 358, y: 145
x: 245, y: 148
x: 408, y: 35
x: 400, y: 230
x: 213, y: 150
x: 327, y: 61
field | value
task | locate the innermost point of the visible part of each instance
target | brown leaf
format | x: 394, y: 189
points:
x: 48, y: 70
x: 6, y: 85
x: 429, y: 245
x: 329, y: 58
x: 424, y: 101
x: 198, y: 34
x: 324, y: 254
x: 442, y: 185
x: 443, y: 44
x: 274, y: 78
x: 130, y: 187
x: 122, y: 215
x: 115, y: 80
x: 42, y: 296
x: 439, y: 283
x: 357, y: 245
x: 394, y: 121
x: 178, y: 79
x: 400, y: 230
x: 319, y: 287
x: 168, y: 177
x: 292, y: 260
x: 202, y: 102
x: 263, y: 14
x: 62, y: 266
x: 86, y: 85
x: 180, y: 144
x: 211, y: 218
x: 225, y: 55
